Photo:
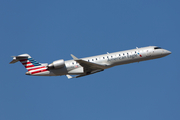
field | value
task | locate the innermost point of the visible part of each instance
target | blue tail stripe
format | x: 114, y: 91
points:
x: 34, y: 62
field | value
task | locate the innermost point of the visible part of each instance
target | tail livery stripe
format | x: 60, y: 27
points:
x: 38, y: 71
x: 26, y: 63
x: 34, y: 62
x: 30, y: 62
x: 33, y: 66
x: 23, y: 60
x: 29, y: 66
x: 36, y: 68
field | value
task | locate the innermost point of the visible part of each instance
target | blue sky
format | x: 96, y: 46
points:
x: 52, y: 30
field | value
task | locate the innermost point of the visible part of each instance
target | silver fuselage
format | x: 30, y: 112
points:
x: 110, y: 60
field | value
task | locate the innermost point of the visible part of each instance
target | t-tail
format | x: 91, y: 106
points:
x: 33, y: 67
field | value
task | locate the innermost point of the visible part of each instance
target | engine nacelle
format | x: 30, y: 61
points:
x: 57, y: 64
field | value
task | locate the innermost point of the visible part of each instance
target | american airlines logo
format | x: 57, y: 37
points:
x: 140, y: 55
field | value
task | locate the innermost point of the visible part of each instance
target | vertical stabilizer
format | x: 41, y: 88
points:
x: 30, y: 64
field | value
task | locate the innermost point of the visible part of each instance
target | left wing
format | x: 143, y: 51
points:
x: 89, y: 66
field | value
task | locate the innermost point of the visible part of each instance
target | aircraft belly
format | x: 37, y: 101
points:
x: 56, y: 72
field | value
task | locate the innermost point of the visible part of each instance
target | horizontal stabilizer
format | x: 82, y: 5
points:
x: 13, y: 61
x: 17, y: 58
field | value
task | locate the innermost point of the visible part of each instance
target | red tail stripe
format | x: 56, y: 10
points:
x: 36, y: 68
x: 29, y: 66
x: 23, y: 60
x: 38, y: 71
x: 26, y: 63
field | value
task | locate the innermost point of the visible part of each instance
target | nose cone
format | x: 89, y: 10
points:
x: 167, y: 52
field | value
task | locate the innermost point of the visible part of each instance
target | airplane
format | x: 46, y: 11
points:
x: 85, y: 66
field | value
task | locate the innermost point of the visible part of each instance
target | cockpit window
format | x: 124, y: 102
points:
x: 157, y: 48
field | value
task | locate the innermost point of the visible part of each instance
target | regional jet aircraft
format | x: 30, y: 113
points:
x: 85, y: 66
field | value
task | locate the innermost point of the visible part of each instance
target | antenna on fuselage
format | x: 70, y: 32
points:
x: 136, y: 47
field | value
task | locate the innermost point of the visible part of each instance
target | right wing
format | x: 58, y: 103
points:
x: 69, y: 77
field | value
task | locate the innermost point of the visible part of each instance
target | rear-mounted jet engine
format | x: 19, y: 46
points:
x: 57, y: 64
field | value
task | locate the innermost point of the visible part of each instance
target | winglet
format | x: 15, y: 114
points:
x: 75, y: 58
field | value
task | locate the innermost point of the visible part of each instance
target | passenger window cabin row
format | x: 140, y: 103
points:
x: 102, y: 58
